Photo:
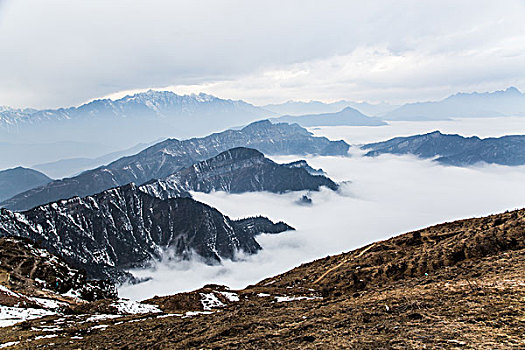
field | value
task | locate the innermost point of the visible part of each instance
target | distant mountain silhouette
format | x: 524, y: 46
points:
x: 17, y: 180
x: 142, y: 117
x: 455, y: 149
x: 347, y: 116
x: 316, y: 107
x: 509, y: 102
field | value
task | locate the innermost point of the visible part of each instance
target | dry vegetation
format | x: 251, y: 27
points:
x: 455, y: 285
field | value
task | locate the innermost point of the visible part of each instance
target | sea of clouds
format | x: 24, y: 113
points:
x: 383, y: 197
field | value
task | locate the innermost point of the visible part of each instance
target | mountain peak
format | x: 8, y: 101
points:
x: 513, y: 90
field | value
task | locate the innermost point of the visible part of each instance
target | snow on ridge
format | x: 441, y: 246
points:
x: 12, y: 315
x: 126, y: 306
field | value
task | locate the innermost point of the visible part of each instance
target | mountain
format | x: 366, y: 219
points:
x: 17, y: 153
x: 238, y: 170
x: 509, y: 102
x: 73, y: 166
x: 455, y: 149
x: 451, y: 286
x: 169, y: 156
x: 17, y: 180
x: 296, y: 108
x: 347, y: 116
x: 140, y: 117
x: 123, y: 227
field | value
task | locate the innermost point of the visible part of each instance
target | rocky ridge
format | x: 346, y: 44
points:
x: 124, y: 227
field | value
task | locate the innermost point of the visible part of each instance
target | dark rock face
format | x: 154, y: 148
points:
x: 124, y: 228
x: 304, y: 200
x: 17, y: 180
x: 260, y: 224
x: 239, y: 170
x: 303, y: 164
x: 167, y: 157
x: 32, y: 267
x: 455, y: 149
x: 347, y: 116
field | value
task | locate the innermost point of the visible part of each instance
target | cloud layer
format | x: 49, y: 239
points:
x: 61, y: 52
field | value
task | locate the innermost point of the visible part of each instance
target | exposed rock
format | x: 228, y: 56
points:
x: 122, y: 228
x: 239, y: 170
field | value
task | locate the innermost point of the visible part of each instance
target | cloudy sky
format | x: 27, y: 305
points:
x: 56, y: 53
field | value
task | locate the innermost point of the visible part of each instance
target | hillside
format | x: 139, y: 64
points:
x: 17, y: 180
x: 455, y: 149
x: 453, y: 285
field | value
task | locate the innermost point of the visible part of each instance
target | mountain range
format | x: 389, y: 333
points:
x: 239, y: 170
x: 509, y: 102
x: 296, y: 108
x: 169, y: 156
x: 19, y: 179
x: 140, y: 117
x: 345, y: 117
x: 124, y: 227
x: 455, y: 149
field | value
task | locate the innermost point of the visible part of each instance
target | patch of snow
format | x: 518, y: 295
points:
x: 210, y: 301
x: 168, y: 315
x: 72, y: 294
x: 48, y: 303
x: 38, y: 280
x: 9, y: 292
x: 287, y: 298
x: 100, y: 326
x: 262, y: 295
x: 8, y: 344
x: 233, y: 297
x: 196, y: 313
x: 50, y: 329
x: 102, y: 317
x: 46, y: 336
x: 12, y: 315
x: 132, y: 307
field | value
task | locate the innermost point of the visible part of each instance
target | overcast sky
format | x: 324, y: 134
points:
x: 59, y: 53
